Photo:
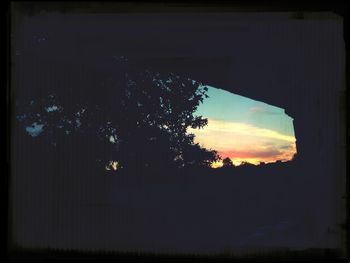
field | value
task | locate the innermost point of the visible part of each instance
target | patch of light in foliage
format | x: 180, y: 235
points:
x: 78, y: 122
x: 112, y: 139
x: 35, y: 129
x: 113, y: 165
x: 52, y: 108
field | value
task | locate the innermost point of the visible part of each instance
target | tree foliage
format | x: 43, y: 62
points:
x: 227, y: 162
x: 135, y: 116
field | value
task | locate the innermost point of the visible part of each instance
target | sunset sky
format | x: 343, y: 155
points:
x: 244, y: 129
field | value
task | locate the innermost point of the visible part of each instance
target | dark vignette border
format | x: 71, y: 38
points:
x: 32, y: 8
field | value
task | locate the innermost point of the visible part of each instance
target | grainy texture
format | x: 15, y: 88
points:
x: 295, y: 64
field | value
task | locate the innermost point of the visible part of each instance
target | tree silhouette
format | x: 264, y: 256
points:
x: 132, y: 115
x: 246, y: 164
x: 194, y: 155
x: 227, y: 162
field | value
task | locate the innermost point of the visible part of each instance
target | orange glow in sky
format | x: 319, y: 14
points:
x: 245, y: 130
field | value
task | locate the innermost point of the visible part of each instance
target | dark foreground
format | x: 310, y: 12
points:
x: 185, y: 211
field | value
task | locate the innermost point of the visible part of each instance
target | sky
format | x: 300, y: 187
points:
x: 244, y: 129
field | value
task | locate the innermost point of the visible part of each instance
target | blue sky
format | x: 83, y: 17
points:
x: 244, y: 129
x: 228, y: 106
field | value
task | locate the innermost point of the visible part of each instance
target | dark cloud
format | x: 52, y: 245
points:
x: 286, y: 147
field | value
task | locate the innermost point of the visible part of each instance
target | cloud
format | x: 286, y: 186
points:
x: 245, y: 142
x: 262, y: 110
x: 286, y: 147
x: 253, y: 153
x: 256, y: 110
x: 241, y: 128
